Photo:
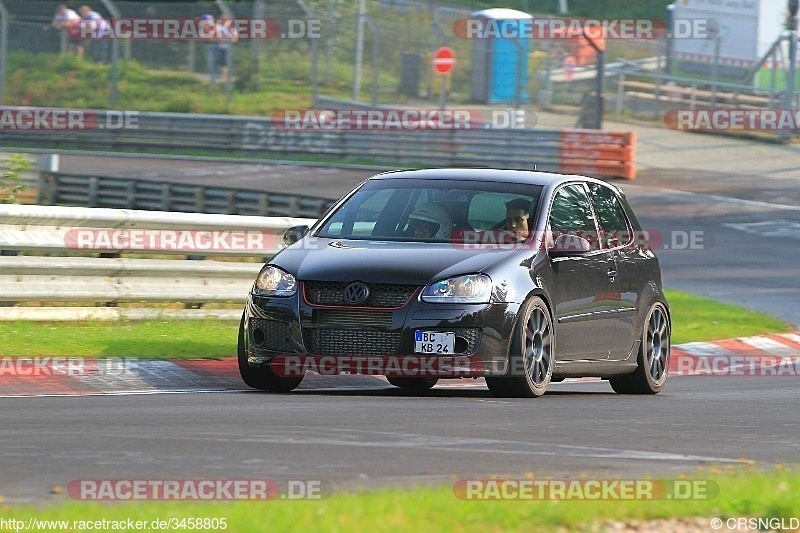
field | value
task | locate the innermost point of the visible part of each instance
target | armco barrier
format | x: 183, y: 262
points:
x: 112, y: 279
x: 479, y: 146
x: 120, y: 193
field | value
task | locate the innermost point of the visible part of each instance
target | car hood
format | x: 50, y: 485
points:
x: 315, y: 258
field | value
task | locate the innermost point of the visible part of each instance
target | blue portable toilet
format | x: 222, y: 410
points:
x: 500, y: 64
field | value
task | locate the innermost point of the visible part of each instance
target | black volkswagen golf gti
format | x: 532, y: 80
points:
x: 524, y: 277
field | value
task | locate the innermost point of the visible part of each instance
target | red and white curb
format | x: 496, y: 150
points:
x: 763, y: 355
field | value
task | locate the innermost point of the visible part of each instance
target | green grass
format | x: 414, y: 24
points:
x: 694, y: 319
x: 700, y: 319
x: 65, y: 81
x: 742, y: 493
x: 169, y: 339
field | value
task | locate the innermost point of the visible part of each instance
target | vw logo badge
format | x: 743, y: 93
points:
x: 356, y: 293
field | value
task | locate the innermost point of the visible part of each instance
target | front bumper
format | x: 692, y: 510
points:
x: 291, y: 326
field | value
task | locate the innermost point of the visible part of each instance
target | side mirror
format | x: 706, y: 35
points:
x: 567, y: 245
x: 294, y: 234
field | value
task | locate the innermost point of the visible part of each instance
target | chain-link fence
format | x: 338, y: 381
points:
x: 380, y: 56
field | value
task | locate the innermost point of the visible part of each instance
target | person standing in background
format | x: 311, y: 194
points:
x: 95, y: 24
x: 226, y: 36
x: 62, y: 19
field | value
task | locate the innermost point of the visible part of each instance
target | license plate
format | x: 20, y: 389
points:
x: 434, y: 342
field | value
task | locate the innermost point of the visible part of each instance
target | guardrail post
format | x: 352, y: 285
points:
x: 199, y: 200
x: 263, y: 204
x: 620, y: 96
x: 130, y: 195
x: 92, y: 192
x: 165, y: 197
x: 48, y: 167
x: 7, y: 253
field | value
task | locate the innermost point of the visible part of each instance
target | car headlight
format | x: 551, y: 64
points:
x: 469, y: 289
x: 272, y: 281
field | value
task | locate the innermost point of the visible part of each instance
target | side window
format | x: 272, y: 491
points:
x: 615, y: 229
x: 571, y: 214
x: 487, y: 210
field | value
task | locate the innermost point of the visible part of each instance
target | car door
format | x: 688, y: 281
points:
x: 584, y: 316
x: 616, y: 236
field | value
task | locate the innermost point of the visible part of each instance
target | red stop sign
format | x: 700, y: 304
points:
x: 444, y: 59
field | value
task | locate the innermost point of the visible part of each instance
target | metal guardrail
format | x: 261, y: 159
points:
x: 476, y: 146
x: 119, y: 193
x: 70, y: 230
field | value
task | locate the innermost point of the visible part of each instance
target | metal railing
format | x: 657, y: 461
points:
x: 652, y: 93
x: 477, y: 145
x: 99, y: 191
x: 74, y: 232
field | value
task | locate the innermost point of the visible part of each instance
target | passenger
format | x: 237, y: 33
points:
x: 430, y: 221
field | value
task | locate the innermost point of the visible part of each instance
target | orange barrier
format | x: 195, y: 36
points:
x: 597, y: 153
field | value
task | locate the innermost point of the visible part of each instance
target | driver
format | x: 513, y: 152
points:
x: 430, y: 221
x: 517, y: 215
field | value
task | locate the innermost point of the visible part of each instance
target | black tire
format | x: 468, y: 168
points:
x: 417, y: 384
x: 261, y: 378
x: 651, y: 372
x: 532, y: 354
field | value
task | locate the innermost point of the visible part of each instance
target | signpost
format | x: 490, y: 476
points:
x: 443, y: 60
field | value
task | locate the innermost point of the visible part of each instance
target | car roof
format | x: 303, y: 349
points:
x: 485, y: 174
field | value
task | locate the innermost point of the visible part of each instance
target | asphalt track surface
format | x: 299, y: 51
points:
x: 384, y: 436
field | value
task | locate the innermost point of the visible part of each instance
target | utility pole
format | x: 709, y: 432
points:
x: 788, y: 96
x: 600, y: 80
x: 3, y: 49
x: 362, y: 12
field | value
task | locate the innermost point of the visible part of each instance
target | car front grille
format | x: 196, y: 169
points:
x: 353, y: 318
x: 271, y: 334
x: 323, y: 341
x: 382, y: 295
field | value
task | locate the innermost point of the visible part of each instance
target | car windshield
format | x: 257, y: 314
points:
x: 430, y: 210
